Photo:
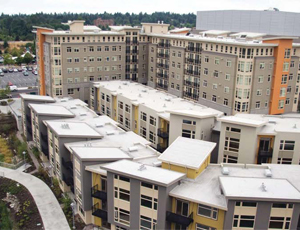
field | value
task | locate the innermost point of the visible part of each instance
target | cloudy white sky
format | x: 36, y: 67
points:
x: 136, y: 6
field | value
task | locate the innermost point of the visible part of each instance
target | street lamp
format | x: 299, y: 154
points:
x: 73, y: 212
x: 24, y: 153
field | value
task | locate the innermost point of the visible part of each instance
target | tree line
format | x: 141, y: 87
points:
x: 19, y: 26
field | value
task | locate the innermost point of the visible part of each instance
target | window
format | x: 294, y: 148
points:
x: 149, y: 202
x: 260, y: 79
x: 188, y: 133
x: 286, y: 67
x: 246, y: 204
x: 216, y: 73
x: 231, y: 144
x: 204, y: 227
x: 204, y: 95
x: 227, y: 76
x: 120, y: 119
x: 292, y: 65
x: 259, y: 92
x: 261, y: 65
x: 70, y: 91
x: 147, y: 223
x: 91, y: 48
x: 243, y: 221
x: 152, y: 121
x: 69, y: 49
x: 122, y: 216
x: 127, y: 123
x: 217, y: 61
x: 127, y: 108
x: 120, y: 104
x: 107, y: 98
x: 188, y: 122
x: 257, y: 104
x: 214, y: 98
x: 206, y: 59
x: 204, y: 83
x: 284, y: 79
x: 225, y: 102
x: 106, y: 48
x: 143, y: 116
x: 282, y: 92
x: 69, y: 60
x: 215, y: 86
x: 228, y: 63
x: 280, y: 104
x: 287, y: 53
x: 143, y: 132
x: 205, y: 72
x: 287, y: 145
x: 280, y: 222
x: 152, y: 137
x: 226, y: 89
x: 207, y: 211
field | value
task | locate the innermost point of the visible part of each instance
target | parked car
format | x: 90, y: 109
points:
x: 1, y: 74
x: 15, y: 70
x: 20, y: 69
x: 10, y: 70
x: 35, y: 72
x: 29, y: 69
x: 4, y: 70
x: 13, y: 88
x: 25, y: 73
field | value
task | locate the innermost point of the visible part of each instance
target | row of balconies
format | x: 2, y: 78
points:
x: 191, y: 84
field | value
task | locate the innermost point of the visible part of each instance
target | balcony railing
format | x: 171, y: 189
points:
x: 191, y: 84
x: 163, y: 134
x: 96, y: 211
x: 162, y: 86
x: 67, y: 164
x: 263, y: 153
x: 68, y: 180
x: 45, y: 150
x: 193, y: 61
x: 161, y: 148
x: 184, y: 221
x: 191, y: 95
x: 96, y: 193
x: 188, y: 71
x: 190, y: 48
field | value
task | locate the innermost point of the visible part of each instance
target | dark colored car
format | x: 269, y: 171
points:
x: 20, y: 69
x: 11, y: 70
x: 4, y: 70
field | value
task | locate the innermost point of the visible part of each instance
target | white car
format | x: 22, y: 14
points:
x: 15, y: 70
x: 13, y: 88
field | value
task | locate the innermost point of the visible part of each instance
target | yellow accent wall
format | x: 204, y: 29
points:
x: 190, y: 173
x: 114, y: 110
x: 96, y: 180
x: 193, y: 208
x: 136, y: 119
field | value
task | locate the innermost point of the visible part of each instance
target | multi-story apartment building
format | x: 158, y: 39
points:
x: 232, y: 72
x: 265, y: 139
x: 120, y: 182
x: 155, y: 115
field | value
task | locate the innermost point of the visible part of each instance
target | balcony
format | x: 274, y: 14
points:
x: 159, y: 65
x: 190, y: 48
x: 134, y: 42
x: 184, y: 221
x: 192, y: 96
x: 127, y: 42
x: 162, y: 86
x: 134, y: 69
x: 134, y: 51
x: 161, y: 148
x: 263, y: 153
x: 165, y: 66
x: 28, y: 118
x: 191, y: 84
x: 188, y: 71
x: 98, y: 194
x: 96, y: 211
x: 68, y: 180
x: 45, y: 150
x: 163, y: 134
x: 67, y: 164
x: 134, y: 60
x: 159, y: 74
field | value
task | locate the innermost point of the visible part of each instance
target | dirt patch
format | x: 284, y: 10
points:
x: 28, y: 216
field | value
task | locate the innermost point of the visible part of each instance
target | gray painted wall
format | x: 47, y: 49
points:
x: 269, y: 22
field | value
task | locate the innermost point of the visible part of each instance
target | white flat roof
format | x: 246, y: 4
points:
x: 252, y: 188
x: 249, y: 34
x: 156, y: 100
x: 215, y: 32
x: 195, y: 113
x: 179, y: 30
x: 96, y: 169
x: 151, y: 174
x: 98, y: 153
x: 242, y: 121
x: 186, y: 152
x: 51, y: 109
x: 37, y: 97
x: 78, y: 129
x: 205, y: 189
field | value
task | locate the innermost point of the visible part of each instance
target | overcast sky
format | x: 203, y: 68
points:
x: 136, y: 6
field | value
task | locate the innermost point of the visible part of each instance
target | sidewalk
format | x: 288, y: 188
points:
x: 47, y: 204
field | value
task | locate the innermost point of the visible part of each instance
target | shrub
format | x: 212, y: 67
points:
x: 3, y: 103
x: 5, y: 222
x: 10, y: 100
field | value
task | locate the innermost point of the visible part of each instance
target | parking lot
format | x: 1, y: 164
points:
x: 19, y: 79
